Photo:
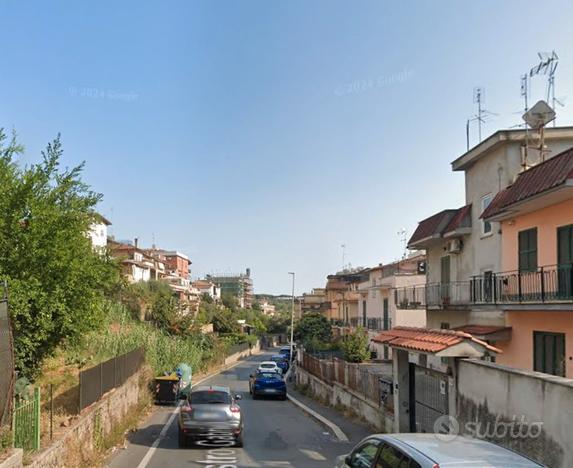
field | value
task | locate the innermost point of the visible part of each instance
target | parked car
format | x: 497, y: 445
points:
x: 281, y: 361
x: 207, y: 411
x: 267, y: 384
x: 269, y: 366
x: 429, y: 451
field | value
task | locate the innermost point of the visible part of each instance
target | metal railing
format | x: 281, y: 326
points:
x: 441, y: 295
x: 100, y: 379
x: 378, y: 323
x: 26, y: 423
x: 546, y: 284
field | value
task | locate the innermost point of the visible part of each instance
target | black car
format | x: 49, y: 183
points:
x: 211, y: 416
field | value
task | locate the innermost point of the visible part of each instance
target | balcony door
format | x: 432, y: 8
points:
x: 445, y: 279
x: 549, y: 353
x: 565, y: 261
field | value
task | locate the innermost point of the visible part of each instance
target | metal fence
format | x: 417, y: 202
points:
x: 100, y: 379
x: 366, y: 380
x: 26, y: 423
x: 6, y: 358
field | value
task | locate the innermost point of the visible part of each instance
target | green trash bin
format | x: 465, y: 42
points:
x: 185, y: 372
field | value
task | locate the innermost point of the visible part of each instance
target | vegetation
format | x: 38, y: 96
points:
x: 57, y: 283
x: 355, y: 346
x: 313, y: 327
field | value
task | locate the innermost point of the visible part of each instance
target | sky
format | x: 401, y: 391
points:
x: 266, y: 134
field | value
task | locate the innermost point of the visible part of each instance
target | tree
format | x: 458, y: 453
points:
x: 57, y: 282
x: 225, y: 321
x: 230, y: 302
x: 313, y: 326
x: 355, y: 346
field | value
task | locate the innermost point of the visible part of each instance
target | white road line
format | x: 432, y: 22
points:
x: 145, y: 461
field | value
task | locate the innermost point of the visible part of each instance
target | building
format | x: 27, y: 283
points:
x: 176, y: 263
x: 209, y: 288
x: 98, y: 232
x: 378, y: 308
x: 534, y: 287
x: 267, y: 308
x: 136, y: 264
x: 459, y: 244
x: 314, y: 302
x: 342, y: 296
x: 238, y: 285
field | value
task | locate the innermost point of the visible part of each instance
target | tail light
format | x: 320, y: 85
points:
x: 235, y: 409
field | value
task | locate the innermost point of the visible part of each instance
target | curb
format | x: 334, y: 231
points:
x: 340, y: 435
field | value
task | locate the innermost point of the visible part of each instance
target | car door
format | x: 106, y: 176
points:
x: 392, y: 457
x: 365, y: 454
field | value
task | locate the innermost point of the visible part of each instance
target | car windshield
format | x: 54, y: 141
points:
x: 209, y: 397
x: 268, y: 366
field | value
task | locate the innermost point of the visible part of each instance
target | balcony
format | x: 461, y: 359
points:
x: 372, y: 323
x: 552, y: 284
x: 434, y: 296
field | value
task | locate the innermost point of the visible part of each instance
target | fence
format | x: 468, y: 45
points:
x: 26, y: 423
x: 6, y: 358
x: 100, y: 379
x: 369, y: 382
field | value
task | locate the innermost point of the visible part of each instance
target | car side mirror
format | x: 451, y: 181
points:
x: 348, y: 460
x: 238, y: 397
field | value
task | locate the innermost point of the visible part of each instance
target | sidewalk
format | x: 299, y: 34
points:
x: 354, y: 430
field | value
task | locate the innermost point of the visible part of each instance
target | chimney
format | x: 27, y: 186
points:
x: 135, y: 242
x: 248, y: 272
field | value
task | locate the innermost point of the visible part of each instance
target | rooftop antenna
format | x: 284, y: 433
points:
x: 548, y: 66
x: 480, y: 117
x: 402, y: 233
x: 343, y: 246
x: 524, y: 90
x: 537, y: 118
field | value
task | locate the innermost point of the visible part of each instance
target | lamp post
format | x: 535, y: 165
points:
x: 292, y: 319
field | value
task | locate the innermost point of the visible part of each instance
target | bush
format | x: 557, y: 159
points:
x: 355, y: 346
x: 313, y: 326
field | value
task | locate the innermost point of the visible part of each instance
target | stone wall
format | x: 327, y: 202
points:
x: 529, y: 412
x: 340, y: 396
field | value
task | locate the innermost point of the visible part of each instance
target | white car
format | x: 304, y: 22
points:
x: 269, y: 366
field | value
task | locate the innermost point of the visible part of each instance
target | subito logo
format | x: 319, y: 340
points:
x: 446, y: 428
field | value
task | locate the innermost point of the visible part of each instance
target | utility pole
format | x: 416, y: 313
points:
x: 292, y: 320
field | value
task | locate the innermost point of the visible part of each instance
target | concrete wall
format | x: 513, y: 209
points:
x: 340, y: 396
x: 495, y: 395
x: 255, y: 349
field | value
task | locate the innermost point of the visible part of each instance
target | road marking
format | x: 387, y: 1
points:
x: 340, y: 435
x: 145, y: 461
x: 312, y: 454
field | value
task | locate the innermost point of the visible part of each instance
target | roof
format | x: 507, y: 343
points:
x: 426, y: 340
x: 501, y: 137
x: 457, y: 451
x: 548, y: 175
x: 481, y: 330
x: 440, y: 223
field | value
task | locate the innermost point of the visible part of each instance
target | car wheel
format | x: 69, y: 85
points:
x: 239, y: 440
x: 182, y: 439
x: 283, y: 397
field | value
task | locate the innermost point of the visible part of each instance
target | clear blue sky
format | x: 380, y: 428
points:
x: 265, y: 134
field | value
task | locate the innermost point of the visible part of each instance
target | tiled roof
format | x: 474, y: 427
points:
x: 426, y: 340
x: 481, y: 329
x: 549, y: 174
x: 440, y: 223
x: 462, y: 218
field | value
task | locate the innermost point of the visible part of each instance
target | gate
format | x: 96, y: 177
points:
x: 429, y: 400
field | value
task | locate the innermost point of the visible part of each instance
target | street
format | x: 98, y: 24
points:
x: 277, y: 433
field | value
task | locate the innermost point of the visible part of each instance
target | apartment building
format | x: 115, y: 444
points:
x: 342, y: 296
x: 314, y: 302
x: 239, y: 285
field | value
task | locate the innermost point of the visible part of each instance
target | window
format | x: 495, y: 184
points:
x: 486, y: 225
x: 391, y: 457
x: 527, y: 245
x: 444, y: 326
x: 364, y: 456
x: 549, y: 353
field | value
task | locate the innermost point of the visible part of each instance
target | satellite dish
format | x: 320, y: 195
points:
x: 539, y: 115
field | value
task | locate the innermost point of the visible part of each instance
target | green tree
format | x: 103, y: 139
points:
x: 225, y: 321
x: 355, y: 346
x: 57, y: 283
x: 313, y: 326
x: 230, y: 302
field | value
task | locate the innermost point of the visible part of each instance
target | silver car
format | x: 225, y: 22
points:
x: 429, y: 451
x: 211, y: 417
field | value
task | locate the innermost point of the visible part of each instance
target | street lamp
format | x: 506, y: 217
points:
x: 292, y: 319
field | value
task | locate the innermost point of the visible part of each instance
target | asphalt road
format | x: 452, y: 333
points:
x: 276, y: 434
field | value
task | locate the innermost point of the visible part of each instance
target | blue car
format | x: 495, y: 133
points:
x: 282, y: 362
x: 267, y: 384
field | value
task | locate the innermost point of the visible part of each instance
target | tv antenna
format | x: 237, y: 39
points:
x: 343, y: 246
x: 481, y: 116
x: 404, y: 240
x: 547, y: 66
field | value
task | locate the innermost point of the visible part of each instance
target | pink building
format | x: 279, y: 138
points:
x: 535, y: 288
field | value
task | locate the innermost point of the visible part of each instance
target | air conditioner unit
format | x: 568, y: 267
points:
x: 455, y: 246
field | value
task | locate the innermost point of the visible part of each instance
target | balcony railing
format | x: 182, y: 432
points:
x: 546, y: 284
x: 440, y: 295
x: 372, y: 323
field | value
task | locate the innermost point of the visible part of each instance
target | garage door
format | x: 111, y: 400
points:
x: 429, y: 400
